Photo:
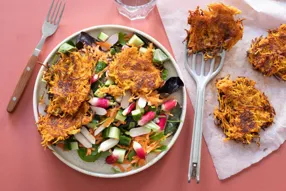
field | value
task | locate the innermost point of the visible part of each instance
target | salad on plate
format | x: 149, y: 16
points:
x: 109, y: 96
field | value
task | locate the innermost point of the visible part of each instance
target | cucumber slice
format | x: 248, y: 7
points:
x: 114, y: 133
x: 159, y: 56
x: 66, y: 48
x: 136, y: 114
x: 102, y: 36
x: 120, y: 153
x: 153, y: 126
x: 109, y: 82
x: 73, y: 146
x: 135, y: 41
x: 119, y: 116
x: 105, y: 133
x: 142, y: 50
x: 124, y: 140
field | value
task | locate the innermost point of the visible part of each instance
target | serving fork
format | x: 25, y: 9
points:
x: 202, y: 79
x: 49, y: 27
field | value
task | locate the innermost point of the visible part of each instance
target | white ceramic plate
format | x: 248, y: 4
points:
x: 99, y: 168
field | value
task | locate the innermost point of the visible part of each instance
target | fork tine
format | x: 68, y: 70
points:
x: 51, y: 7
x: 54, y: 10
x: 212, y: 66
x: 222, y: 55
x: 194, y: 62
x: 61, y: 14
x: 202, y: 66
x: 55, y: 18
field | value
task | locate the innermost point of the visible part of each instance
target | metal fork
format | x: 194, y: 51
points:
x: 201, y: 82
x: 49, y: 27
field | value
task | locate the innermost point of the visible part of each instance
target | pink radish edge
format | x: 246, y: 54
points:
x: 129, y: 109
x: 162, y: 121
x: 94, y: 78
x: 150, y: 115
x: 139, y: 150
x: 100, y: 102
x: 111, y: 159
x: 169, y: 105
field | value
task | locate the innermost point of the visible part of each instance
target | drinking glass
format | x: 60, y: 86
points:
x: 135, y: 9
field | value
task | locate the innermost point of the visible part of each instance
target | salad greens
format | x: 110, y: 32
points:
x: 172, y: 122
x: 100, y: 66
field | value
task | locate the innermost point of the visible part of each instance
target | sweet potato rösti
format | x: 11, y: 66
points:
x: 268, y: 54
x: 243, y: 110
x: 213, y: 30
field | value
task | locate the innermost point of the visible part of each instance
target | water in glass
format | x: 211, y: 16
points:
x: 135, y: 9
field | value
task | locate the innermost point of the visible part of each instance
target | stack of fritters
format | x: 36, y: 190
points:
x: 69, y: 85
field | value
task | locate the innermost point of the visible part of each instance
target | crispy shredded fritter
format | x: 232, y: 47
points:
x: 136, y: 72
x: 268, y: 54
x: 214, y: 29
x: 54, y: 129
x: 243, y: 110
x: 69, y: 85
x: 69, y: 82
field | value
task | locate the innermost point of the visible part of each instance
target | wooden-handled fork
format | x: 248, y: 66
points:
x: 49, y: 27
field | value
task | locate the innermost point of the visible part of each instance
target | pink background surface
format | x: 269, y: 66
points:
x: 25, y: 165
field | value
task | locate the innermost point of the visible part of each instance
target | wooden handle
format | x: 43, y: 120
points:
x: 22, y: 83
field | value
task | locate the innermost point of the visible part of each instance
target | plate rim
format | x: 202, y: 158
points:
x: 184, y: 101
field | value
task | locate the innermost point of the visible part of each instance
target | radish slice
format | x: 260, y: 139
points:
x: 128, y: 109
x: 83, y: 140
x: 111, y: 159
x: 125, y: 103
x: 139, y: 150
x: 135, y: 132
x: 162, y: 121
x: 98, y: 130
x: 100, y: 102
x: 142, y: 102
x: 98, y: 110
x: 169, y: 105
x: 87, y: 135
x: 113, y: 39
x: 108, y: 144
x: 150, y: 115
x: 94, y: 78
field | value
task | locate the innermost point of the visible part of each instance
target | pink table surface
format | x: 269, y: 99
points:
x: 25, y: 165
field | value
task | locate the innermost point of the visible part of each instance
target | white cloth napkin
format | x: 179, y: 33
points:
x: 230, y: 157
